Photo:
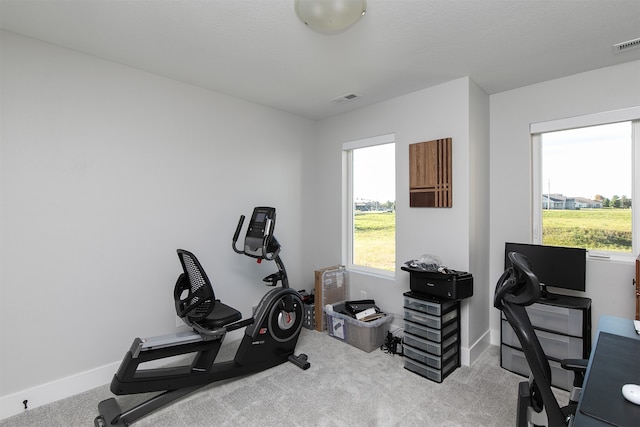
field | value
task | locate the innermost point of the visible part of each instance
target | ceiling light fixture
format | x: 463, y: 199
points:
x: 329, y: 16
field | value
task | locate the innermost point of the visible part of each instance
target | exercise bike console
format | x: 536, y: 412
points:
x: 259, y: 241
x: 269, y: 339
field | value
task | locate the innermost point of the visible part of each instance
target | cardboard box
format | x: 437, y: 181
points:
x: 331, y: 286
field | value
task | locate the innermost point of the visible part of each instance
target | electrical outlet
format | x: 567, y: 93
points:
x: 363, y: 294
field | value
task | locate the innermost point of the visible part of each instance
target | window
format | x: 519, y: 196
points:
x: 370, y: 204
x: 584, y: 183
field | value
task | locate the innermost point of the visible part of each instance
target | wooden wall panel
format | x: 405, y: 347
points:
x: 430, y: 174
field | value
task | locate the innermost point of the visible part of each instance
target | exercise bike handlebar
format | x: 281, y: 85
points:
x: 260, y: 242
x: 237, y: 234
x: 266, y: 239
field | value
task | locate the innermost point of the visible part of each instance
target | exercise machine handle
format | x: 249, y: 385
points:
x: 265, y: 241
x: 237, y: 234
x: 260, y: 243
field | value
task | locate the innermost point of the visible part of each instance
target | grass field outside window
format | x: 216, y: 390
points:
x: 374, y: 240
x: 594, y: 229
x: 603, y: 229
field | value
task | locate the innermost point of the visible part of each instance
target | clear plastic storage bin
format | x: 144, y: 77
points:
x: 428, y: 320
x: 429, y: 307
x: 515, y: 361
x: 366, y: 336
x: 428, y: 333
x: 429, y: 359
x: 554, y: 346
x: 436, y: 375
x: 429, y: 346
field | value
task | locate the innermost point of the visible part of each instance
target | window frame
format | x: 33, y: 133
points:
x: 631, y: 114
x: 349, y: 205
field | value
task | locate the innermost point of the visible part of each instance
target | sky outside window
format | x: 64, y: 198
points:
x: 588, y: 161
x: 374, y: 173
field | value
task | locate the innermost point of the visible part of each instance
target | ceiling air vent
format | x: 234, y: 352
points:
x: 345, y: 98
x: 625, y: 46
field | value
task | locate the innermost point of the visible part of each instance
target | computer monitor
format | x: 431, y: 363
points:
x: 555, y: 266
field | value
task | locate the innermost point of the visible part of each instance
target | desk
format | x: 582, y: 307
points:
x: 601, y: 401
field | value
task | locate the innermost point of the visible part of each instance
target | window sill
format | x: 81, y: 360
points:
x: 610, y: 257
x: 374, y: 272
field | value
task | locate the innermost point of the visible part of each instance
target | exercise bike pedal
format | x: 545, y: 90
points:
x: 300, y: 361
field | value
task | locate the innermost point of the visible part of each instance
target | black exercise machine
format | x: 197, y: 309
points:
x: 269, y: 339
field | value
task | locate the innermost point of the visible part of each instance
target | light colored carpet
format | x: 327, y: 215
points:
x: 343, y: 386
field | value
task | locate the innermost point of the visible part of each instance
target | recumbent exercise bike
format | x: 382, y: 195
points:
x: 269, y: 339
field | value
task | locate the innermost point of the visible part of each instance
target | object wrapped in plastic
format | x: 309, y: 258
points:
x: 426, y: 262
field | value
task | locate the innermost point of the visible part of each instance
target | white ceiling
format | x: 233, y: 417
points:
x: 258, y: 50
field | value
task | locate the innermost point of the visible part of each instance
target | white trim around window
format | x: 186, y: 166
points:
x: 537, y: 129
x: 347, y: 197
x: 614, y: 116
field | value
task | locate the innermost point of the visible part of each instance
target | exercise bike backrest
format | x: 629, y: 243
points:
x: 193, y: 293
x: 259, y: 241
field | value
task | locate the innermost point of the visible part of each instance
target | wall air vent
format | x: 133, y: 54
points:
x: 625, y: 46
x: 345, y: 98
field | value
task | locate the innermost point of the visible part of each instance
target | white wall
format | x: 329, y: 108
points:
x: 106, y: 171
x: 609, y: 283
x: 438, y: 112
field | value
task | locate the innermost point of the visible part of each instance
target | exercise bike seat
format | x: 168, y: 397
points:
x: 221, y: 315
x: 195, y: 300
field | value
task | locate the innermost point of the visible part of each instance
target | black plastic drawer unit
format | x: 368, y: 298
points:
x: 431, y: 336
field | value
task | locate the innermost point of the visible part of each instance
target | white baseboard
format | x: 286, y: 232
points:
x: 12, y: 404
x: 495, y: 337
x: 469, y: 355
